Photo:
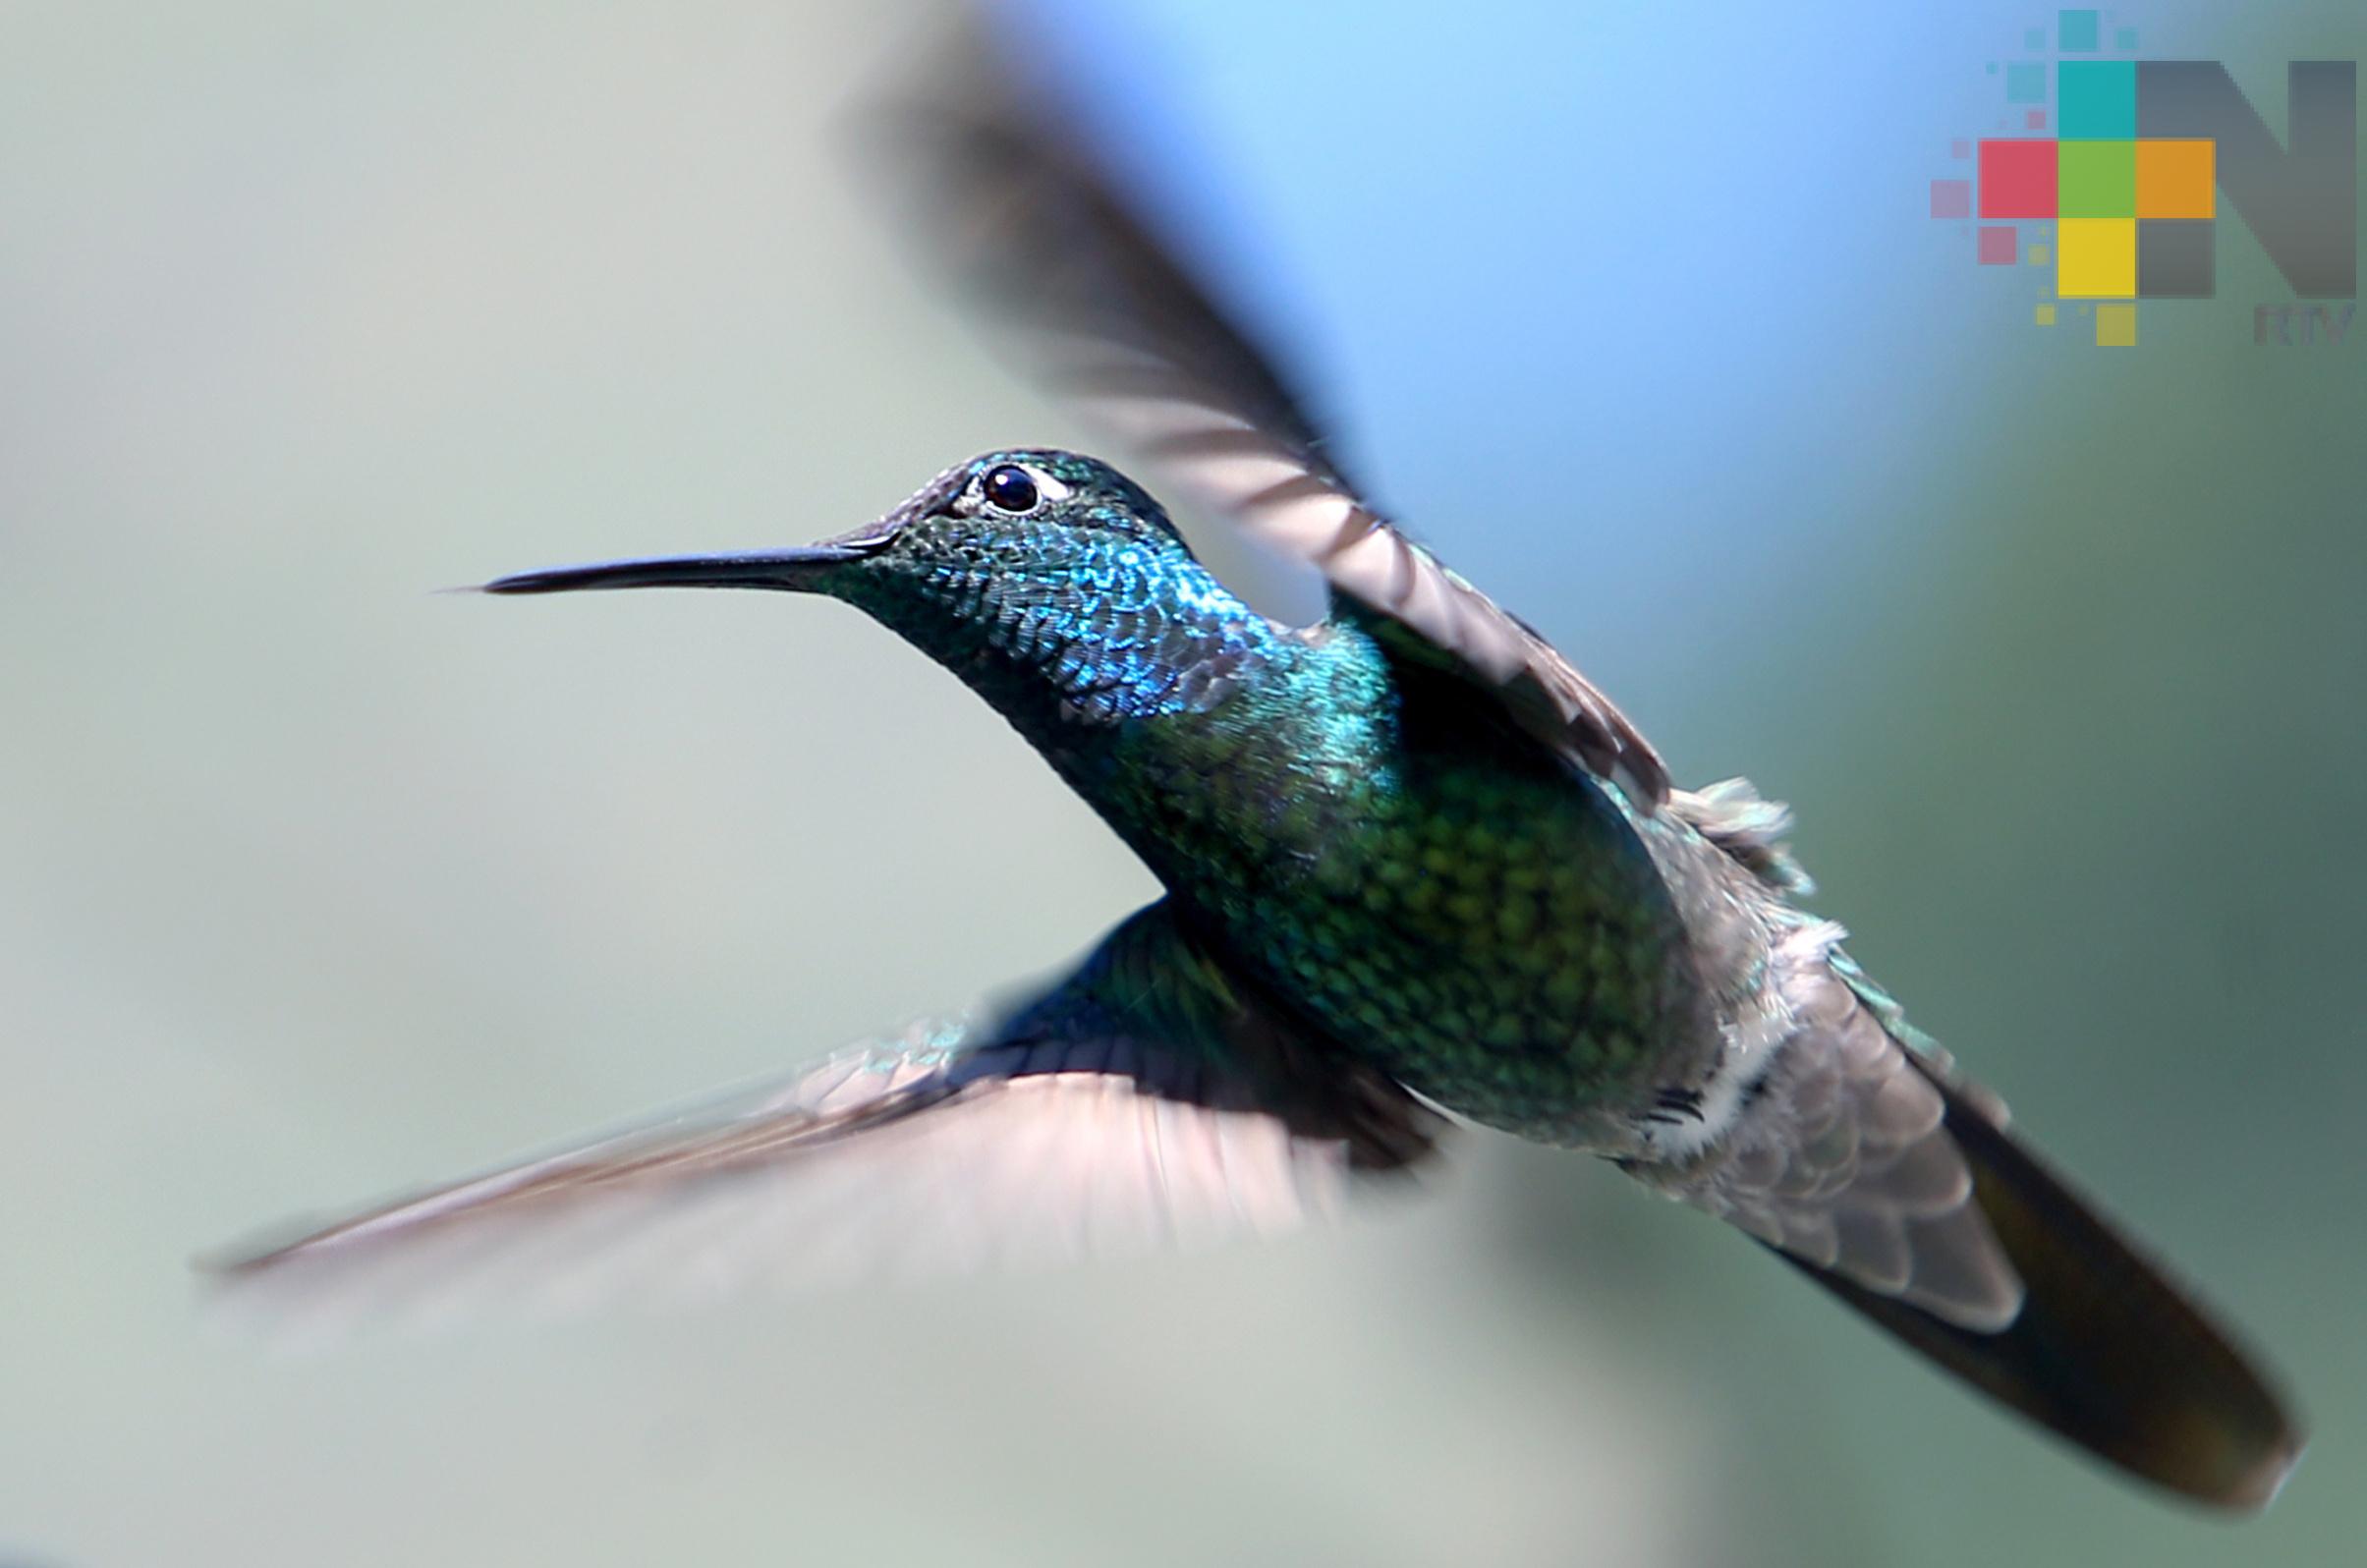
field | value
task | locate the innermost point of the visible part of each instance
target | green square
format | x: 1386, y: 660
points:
x: 2096, y: 100
x: 2096, y: 179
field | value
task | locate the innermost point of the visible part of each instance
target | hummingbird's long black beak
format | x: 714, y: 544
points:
x: 787, y: 570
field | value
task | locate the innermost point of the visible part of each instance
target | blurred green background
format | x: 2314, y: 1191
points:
x: 313, y: 884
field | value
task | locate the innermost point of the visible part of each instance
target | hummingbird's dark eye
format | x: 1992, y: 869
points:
x: 1009, y: 488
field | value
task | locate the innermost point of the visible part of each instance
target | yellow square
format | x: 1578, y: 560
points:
x: 2046, y: 315
x: 2116, y: 326
x: 2095, y: 259
x: 2040, y: 256
x: 2176, y: 179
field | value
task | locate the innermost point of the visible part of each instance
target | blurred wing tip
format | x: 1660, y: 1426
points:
x: 2260, y: 1485
x: 224, y: 1265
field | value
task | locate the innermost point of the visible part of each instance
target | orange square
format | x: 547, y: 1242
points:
x: 2176, y: 179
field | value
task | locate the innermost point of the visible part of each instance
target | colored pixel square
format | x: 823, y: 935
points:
x: 2040, y: 256
x: 2018, y: 179
x: 2124, y: 39
x: 1959, y: 148
x: 1952, y: 199
x: 2026, y: 82
x: 1998, y: 246
x: 2034, y: 118
x: 2076, y: 32
x: 2044, y: 314
x: 2035, y: 40
x: 2095, y: 259
x: 2096, y: 179
x: 2176, y: 179
x: 2096, y: 100
x: 2176, y: 258
x: 2116, y: 326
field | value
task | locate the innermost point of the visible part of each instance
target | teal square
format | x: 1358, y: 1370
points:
x: 2125, y: 40
x: 2076, y: 32
x: 2096, y: 100
x: 2035, y: 40
x: 2026, y: 83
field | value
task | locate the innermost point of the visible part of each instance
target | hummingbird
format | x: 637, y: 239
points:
x: 1420, y: 875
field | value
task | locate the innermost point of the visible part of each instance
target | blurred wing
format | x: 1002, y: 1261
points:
x: 1140, y: 1103
x: 1013, y: 203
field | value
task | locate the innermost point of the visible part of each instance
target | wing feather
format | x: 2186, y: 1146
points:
x: 1842, y: 1158
x: 1138, y: 1104
x: 1010, y: 200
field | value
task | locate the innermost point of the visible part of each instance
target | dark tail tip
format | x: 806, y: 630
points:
x: 2105, y: 1352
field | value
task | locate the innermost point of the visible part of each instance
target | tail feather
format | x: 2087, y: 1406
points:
x: 2105, y: 1350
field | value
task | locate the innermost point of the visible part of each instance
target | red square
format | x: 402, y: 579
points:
x: 2018, y: 179
x: 1999, y: 245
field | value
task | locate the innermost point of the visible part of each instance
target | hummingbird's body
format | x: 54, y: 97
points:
x: 1404, y: 870
x: 1412, y: 858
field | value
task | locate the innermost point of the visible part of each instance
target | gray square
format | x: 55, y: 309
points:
x: 2174, y: 259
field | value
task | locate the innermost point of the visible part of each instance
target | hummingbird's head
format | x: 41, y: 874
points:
x: 1033, y: 574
